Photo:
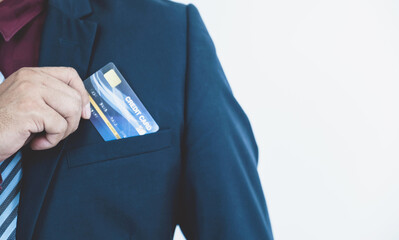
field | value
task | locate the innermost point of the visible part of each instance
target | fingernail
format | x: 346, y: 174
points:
x: 87, y: 111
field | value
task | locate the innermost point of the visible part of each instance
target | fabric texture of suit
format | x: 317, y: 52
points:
x: 199, y: 171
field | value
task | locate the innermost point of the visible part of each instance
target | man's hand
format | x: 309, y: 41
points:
x: 40, y: 106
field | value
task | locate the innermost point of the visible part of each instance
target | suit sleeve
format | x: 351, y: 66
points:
x: 221, y: 196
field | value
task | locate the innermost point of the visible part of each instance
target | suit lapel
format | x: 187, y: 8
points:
x: 66, y: 41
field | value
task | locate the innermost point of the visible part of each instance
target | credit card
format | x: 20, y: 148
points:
x: 116, y: 111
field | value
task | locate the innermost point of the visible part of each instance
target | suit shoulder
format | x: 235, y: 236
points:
x: 169, y: 7
x: 149, y: 11
x: 168, y: 3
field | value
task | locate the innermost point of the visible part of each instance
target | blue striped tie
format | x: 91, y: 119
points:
x: 11, y: 173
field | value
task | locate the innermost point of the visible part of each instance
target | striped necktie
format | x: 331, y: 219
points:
x: 11, y: 173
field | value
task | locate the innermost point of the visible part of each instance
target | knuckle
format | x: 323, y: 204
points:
x: 78, y: 97
x: 22, y: 73
x: 29, y: 105
x: 75, y: 95
x: 77, y: 110
x: 73, y: 109
x: 23, y: 70
x: 63, y: 126
x: 71, y: 71
x: 76, y: 105
x: 35, y: 112
x: 69, y: 111
x: 35, y: 123
x: 26, y: 85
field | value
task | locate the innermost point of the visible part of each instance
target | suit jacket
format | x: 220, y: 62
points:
x: 198, y: 171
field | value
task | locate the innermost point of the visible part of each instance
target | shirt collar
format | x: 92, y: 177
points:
x: 15, y: 14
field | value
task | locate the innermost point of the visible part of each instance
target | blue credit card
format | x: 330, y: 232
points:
x: 116, y: 111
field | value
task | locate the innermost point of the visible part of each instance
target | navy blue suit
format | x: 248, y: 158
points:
x: 199, y: 171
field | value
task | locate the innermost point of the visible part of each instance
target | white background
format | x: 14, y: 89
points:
x: 320, y: 83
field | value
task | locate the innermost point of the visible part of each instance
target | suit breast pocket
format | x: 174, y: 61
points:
x: 116, y: 149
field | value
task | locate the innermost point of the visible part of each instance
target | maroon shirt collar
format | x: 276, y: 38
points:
x: 15, y: 14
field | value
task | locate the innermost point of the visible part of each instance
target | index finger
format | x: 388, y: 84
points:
x: 70, y: 77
